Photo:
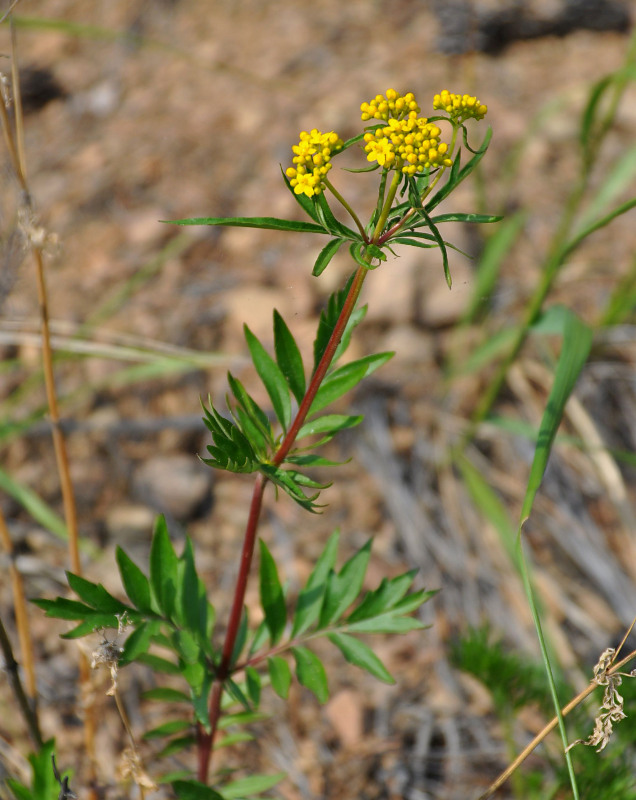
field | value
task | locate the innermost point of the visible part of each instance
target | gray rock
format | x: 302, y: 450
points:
x: 176, y: 485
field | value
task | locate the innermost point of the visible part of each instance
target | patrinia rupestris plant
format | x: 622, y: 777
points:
x: 171, y: 621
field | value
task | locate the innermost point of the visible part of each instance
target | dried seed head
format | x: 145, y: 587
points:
x: 611, y: 710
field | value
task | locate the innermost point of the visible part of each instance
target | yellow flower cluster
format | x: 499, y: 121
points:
x: 392, y: 106
x: 459, y: 107
x: 407, y: 142
x: 312, y: 156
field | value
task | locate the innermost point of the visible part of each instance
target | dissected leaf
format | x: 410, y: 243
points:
x: 95, y: 595
x: 388, y: 593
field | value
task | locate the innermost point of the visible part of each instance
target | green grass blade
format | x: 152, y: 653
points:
x: 577, y: 340
x: 34, y: 505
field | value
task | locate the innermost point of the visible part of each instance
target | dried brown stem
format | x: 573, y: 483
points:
x: 548, y: 728
x: 14, y: 138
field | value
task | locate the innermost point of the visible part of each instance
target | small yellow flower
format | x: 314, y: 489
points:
x: 407, y: 142
x: 312, y: 157
x: 459, y: 107
x: 391, y: 106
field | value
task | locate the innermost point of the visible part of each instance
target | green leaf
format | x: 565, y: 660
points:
x: 289, y: 358
x: 158, y: 664
x: 186, y: 645
x: 135, y: 582
x: 343, y: 587
x: 328, y: 319
x: 138, y: 642
x: 192, y: 602
x: 307, y: 204
x: 577, y: 340
x: 254, y: 784
x: 386, y: 623
x: 238, y: 737
x: 344, y: 378
x: 280, y: 675
x: 311, y: 673
x: 388, y: 593
x: 168, y: 728
x: 311, y: 598
x: 240, y: 718
x: 359, y: 654
x: 166, y: 695
x: 272, y: 377
x: 475, y: 218
x: 458, y: 175
x: 265, y: 223
x: 95, y: 595
x: 92, y: 625
x: 43, y: 786
x: 441, y: 243
x: 177, y: 745
x: 251, y: 408
x: 61, y: 608
x: 325, y: 256
x: 253, y: 685
x: 334, y: 226
x: 163, y: 569
x: 241, y: 637
x: 272, y: 598
x: 292, y: 482
x: 193, y: 790
x: 329, y: 424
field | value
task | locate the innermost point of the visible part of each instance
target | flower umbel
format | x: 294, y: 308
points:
x: 313, y: 161
x: 459, y: 107
x: 407, y: 143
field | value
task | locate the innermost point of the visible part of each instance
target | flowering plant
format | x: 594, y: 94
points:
x: 172, y: 621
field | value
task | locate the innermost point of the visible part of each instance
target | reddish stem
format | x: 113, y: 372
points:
x: 205, y: 741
